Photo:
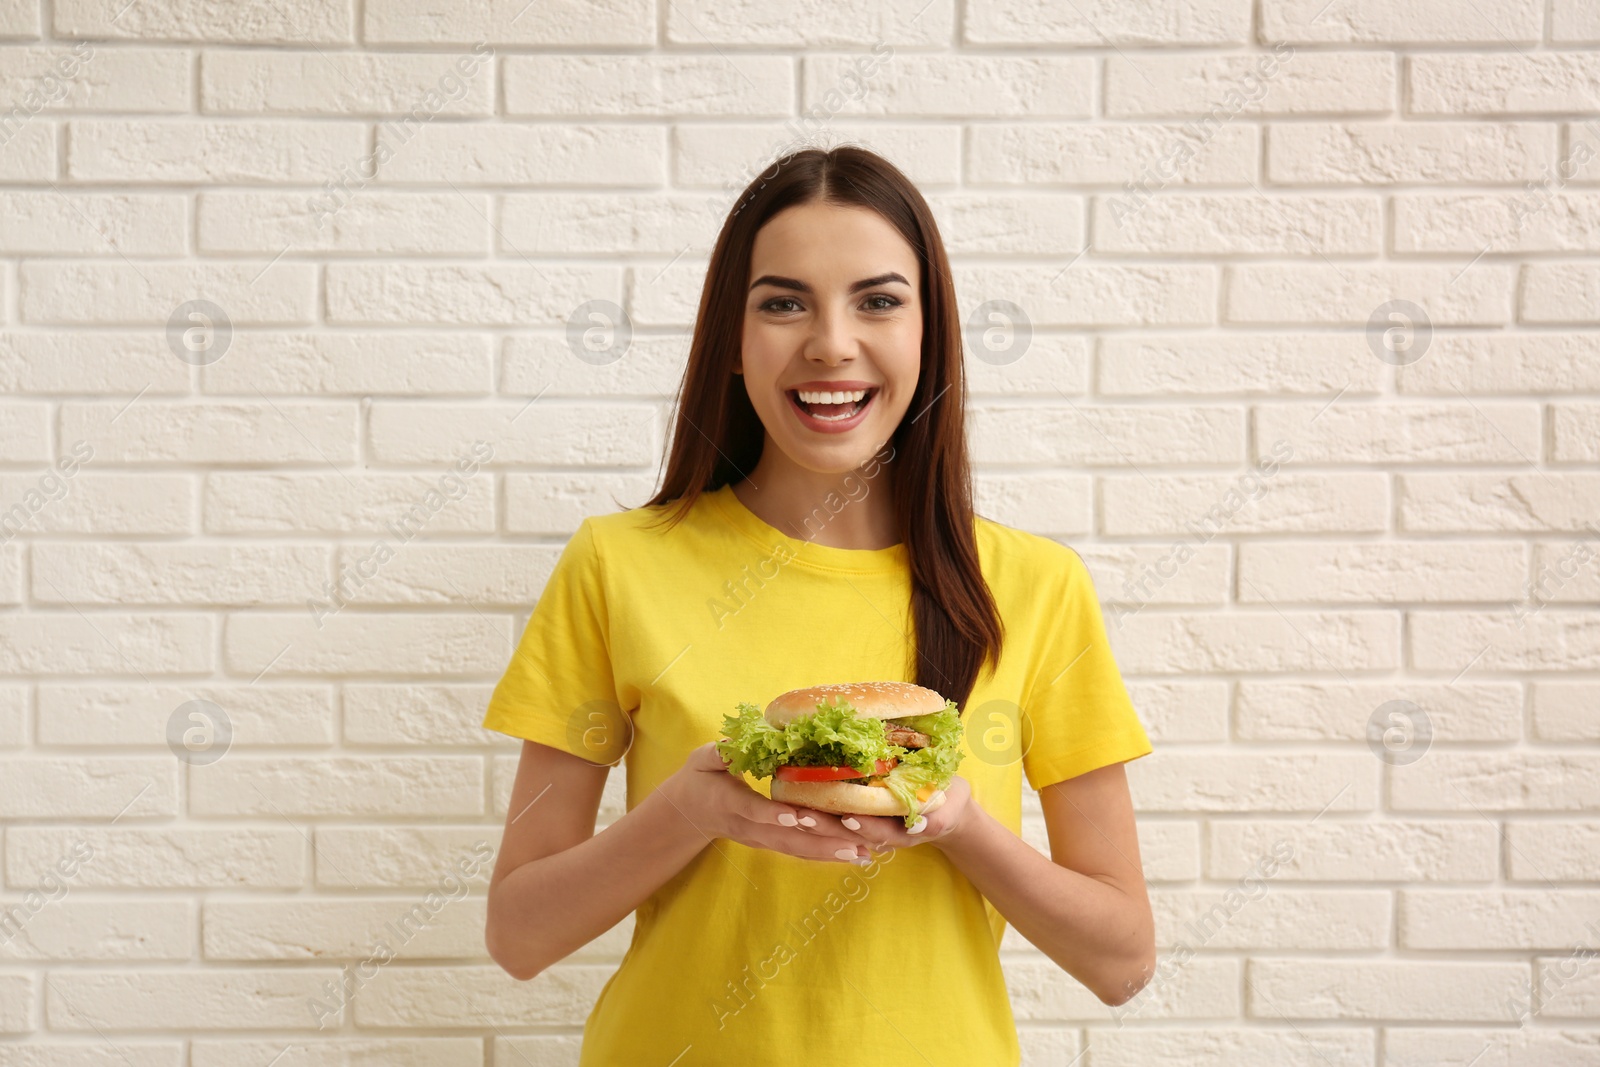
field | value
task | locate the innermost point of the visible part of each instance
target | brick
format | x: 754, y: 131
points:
x: 1409, y: 432
x: 359, y: 363
x: 479, y: 295
x: 215, y: 431
x: 1138, y: 574
x: 1560, y: 292
x: 1182, y: 711
x: 1138, y: 158
x: 1201, y: 988
x: 1551, y: 640
x: 1340, y: 711
x: 13, y: 716
x: 943, y: 85
x: 91, y: 224
x: 97, y: 79
x: 1105, y: 435
x: 86, y: 715
x: 66, y: 643
x: 428, y: 715
x: 1523, y: 1047
x: 1552, y: 851
x: 1496, y: 503
x: 1051, y: 365
x: 97, y: 503
x: 47, y: 787
x: 212, y: 151
x: 1362, y: 572
x: 369, y: 785
x: 1497, y: 222
x: 179, y: 574
x: 1220, y: 781
x: 19, y: 18
x: 622, y: 435
x: 1478, y: 782
x: 529, y: 154
x: 1496, y: 919
x: 258, y: 857
x: 354, y: 503
x: 646, y: 224
x: 1349, y: 294
x: 304, y: 22
x: 118, y: 294
x: 24, y: 432
x: 508, y: 576
x: 1255, y: 1046
x: 443, y: 926
x: 396, y: 857
x: 1339, y: 850
x: 1051, y: 503
x: 553, y: 504
x: 17, y: 999
x: 1198, y: 507
x: 212, y: 999
x: 1566, y: 710
x: 1543, y: 362
x: 345, y: 83
x: 352, y: 642
x: 376, y: 223
x: 66, y: 930
x: 1097, y: 295
x: 30, y: 153
x: 1235, y: 224
x: 628, y: 22
x: 1284, y: 83
x: 68, y: 361
x: 1495, y: 22
x: 1262, y: 915
x: 730, y: 156
x: 94, y: 1053
x: 630, y: 86
x: 1406, y: 990
x: 1574, y: 20
x: 1254, y: 364
x: 1033, y: 22
x: 1374, y: 153
x: 1575, y: 433
x: 339, y: 1052
x: 456, y: 996
x: 1503, y: 83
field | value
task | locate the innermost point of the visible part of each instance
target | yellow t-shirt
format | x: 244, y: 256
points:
x: 644, y: 638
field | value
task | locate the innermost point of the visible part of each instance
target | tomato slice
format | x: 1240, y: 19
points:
x: 790, y: 773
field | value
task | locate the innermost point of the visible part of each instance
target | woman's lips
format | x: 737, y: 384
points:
x: 822, y: 425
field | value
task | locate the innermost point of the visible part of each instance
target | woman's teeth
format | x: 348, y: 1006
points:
x: 832, y: 406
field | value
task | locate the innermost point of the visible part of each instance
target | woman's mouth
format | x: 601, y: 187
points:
x: 831, y: 411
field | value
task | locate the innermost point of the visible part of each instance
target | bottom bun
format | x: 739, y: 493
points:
x: 846, y: 798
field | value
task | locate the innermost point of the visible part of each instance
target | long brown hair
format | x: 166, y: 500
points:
x: 717, y: 435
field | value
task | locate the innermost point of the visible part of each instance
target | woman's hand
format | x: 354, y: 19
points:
x: 890, y: 831
x: 719, y: 805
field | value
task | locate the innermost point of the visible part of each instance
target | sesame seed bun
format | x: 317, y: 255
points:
x: 846, y: 798
x: 871, y: 700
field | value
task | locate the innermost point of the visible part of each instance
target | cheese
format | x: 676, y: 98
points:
x: 925, y: 792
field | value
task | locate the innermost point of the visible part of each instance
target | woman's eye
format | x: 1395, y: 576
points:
x: 771, y: 305
x: 889, y: 303
x: 892, y: 302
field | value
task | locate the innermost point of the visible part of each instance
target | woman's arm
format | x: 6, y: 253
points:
x: 557, y: 885
x: 1085, y: 907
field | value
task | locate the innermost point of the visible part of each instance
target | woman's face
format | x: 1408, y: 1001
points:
x: 832, y: 307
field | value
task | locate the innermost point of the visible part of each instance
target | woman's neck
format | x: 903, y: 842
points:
x: 846, y: 510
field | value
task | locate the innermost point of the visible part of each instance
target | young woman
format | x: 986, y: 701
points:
x: 815, y: 525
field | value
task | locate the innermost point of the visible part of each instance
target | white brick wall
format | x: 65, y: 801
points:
x: 1199, y: 205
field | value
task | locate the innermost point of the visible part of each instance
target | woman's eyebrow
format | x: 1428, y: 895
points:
x: 801, y: 287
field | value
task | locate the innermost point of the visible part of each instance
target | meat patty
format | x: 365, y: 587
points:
x: 905, y: 736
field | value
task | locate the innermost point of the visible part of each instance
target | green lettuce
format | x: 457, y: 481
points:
x: 835, y: 736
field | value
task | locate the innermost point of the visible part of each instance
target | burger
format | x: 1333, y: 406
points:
x: 853, y: 748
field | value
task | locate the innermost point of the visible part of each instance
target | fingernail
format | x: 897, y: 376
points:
x: 852, y: 824
x: 917, y: 827
x: 808, y: 821
x: 846, y: 853
x: 938, y: 794
x: 787, y: 819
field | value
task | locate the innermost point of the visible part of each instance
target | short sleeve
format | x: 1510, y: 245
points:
x: 1077, y: 712
x: 558, y: 689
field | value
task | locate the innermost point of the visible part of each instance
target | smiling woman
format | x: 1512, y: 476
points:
x: 825, y: 369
